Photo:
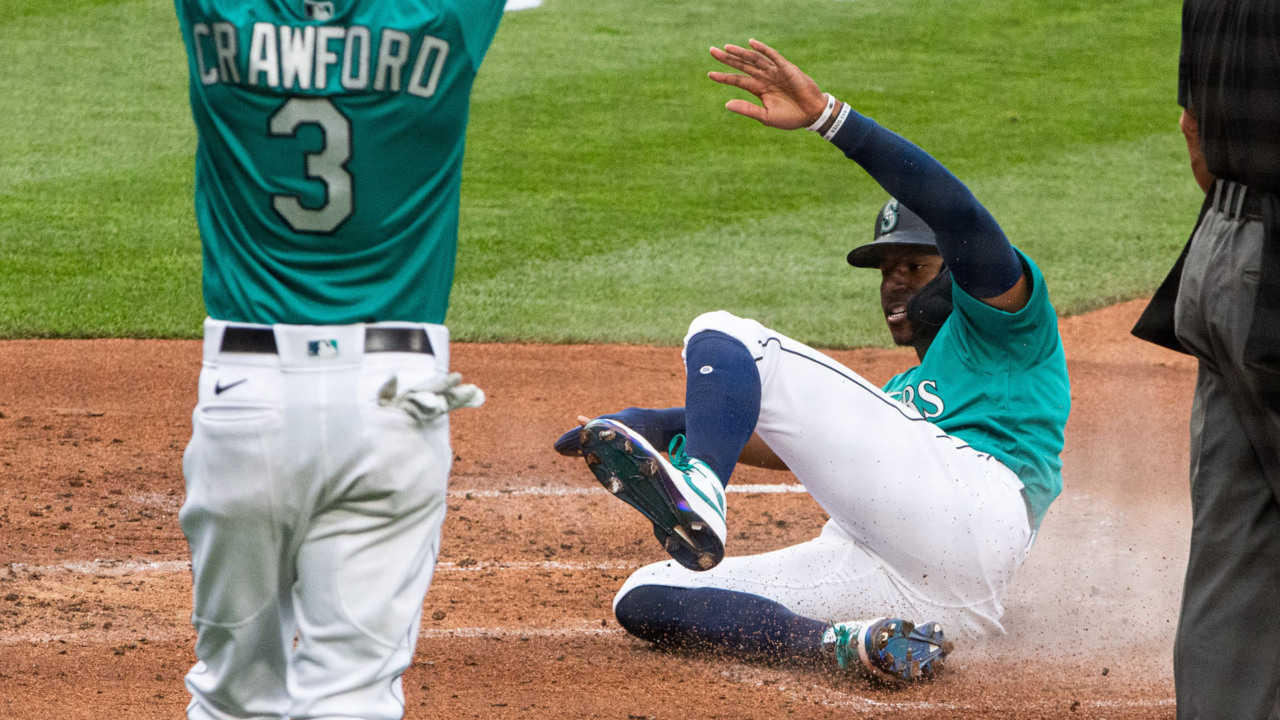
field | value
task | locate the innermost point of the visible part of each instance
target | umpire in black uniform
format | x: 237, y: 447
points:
x: 1221, y: 304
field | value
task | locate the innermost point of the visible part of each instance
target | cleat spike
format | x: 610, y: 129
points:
x: 628, y: 447
x: 607, y: 434
x: 705, y: 561
x: 697, y: 526
x: 592, y: 459
x: 615, y: 485
x: 684, y: 535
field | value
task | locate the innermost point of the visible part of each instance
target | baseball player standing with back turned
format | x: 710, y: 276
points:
x: 935, y: 484
x: 327, y: 190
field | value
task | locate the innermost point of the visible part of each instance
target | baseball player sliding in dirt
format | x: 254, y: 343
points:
x: 327, y: 190
x: 934, y: 484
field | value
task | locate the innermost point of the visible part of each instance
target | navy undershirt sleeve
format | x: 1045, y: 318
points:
x: 972, y: 244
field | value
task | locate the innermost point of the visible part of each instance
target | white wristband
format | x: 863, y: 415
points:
x: 835, y: 126
x: 831, y: 104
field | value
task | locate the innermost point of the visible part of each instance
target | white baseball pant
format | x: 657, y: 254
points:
x: 313, y: 514
x: 922, y: 526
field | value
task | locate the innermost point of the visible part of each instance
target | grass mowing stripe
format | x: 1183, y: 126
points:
x: 650, y: 290
x: 608, y: 196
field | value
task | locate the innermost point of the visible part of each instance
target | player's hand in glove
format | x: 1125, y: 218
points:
x: 656, y: 426
x: 430, y: 400
x: 790, y: 98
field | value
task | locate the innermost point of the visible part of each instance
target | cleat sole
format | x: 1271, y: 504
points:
x: 626, y: 469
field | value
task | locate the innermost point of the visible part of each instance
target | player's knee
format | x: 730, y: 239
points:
x: 628, y: 609
x: 744, y: 330
x: 646, y: 611
x: 718, y: 320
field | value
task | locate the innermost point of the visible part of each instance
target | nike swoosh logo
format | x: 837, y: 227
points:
x: 219, y: 388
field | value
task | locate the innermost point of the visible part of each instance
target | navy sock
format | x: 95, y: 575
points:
x: 715, y: 619
x: 722, y: 400
x: 657, y: 425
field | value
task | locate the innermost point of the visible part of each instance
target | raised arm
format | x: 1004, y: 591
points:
x: 972, y: 244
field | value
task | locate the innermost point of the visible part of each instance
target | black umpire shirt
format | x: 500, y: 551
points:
x: 1229, y: 78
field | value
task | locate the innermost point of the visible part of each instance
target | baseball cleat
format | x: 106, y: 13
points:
x: 888, y: 649
x: 682, y: 497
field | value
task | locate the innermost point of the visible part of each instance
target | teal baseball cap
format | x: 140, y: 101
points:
x: 896, y: 225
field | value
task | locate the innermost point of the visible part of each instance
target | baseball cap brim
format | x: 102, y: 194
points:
x: 870, y: 255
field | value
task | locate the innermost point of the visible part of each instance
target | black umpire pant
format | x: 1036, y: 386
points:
x: 1227, y: 651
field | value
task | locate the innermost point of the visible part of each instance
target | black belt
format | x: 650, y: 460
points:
x: 260, y: 340
x: 1238, y: 201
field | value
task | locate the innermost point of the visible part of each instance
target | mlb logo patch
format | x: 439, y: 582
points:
x: 317, y: 10
x: 322, y: 348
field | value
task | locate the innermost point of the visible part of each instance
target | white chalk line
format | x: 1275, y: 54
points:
x: 172, y: 503
x: 519, y: 633
x: 114, y: 568
x: 104, y: 568
x: 575, y: 491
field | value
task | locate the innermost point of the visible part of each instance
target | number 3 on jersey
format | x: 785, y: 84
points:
x: 329, y: 166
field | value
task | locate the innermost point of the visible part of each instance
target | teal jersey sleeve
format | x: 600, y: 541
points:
x: 479, y: 22
x: 998, y: 381
x: 329, y: 162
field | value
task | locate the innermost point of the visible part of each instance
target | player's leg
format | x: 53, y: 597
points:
x: 777, y: 605
x: 237, y: 522
x: 722, y: 399
x: 949, y: 520
x: 683, y: 497
x: 368, y: 558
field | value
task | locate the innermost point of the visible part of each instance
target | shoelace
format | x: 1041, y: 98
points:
x: 846, y: 653
x: 679, y: 458
x: 681, y: 461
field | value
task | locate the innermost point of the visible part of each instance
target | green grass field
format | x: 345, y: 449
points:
x: 608, y: 196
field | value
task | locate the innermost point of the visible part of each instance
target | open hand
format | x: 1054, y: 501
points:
x: 789, y: 98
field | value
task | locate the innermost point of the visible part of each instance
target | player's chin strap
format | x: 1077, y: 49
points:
x: 434, y: 398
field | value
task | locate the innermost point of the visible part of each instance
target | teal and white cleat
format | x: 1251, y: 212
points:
x: 682, y: 497
x: 888, y: 649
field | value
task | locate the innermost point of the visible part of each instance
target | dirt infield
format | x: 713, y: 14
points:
x: 95, y: 589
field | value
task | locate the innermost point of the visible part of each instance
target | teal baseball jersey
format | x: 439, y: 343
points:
x: 998, y: 381
x: 329, y: 163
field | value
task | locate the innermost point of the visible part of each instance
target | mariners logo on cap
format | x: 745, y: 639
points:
x: 889, y: 218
